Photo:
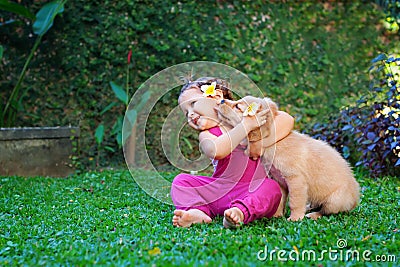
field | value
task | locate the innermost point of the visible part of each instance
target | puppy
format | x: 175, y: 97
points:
x: 315, y: 173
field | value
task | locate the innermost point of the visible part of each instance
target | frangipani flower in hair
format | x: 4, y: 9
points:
x: 209, y: 89
x: 252, y: 109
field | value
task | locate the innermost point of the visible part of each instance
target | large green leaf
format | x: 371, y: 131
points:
x: 143, y: 100
x: 119, y: 92
x: 99, y: 134
x: 110, y: 106
x: 16, y: 8
x: 45, y: 16
x: 117, y: 130
x: 129, y: 123
x: 131, y: 115
x: 1, y: 51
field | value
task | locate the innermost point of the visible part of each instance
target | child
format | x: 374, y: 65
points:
x: 238, y: 189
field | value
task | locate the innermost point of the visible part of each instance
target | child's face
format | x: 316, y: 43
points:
x: 199, y: 110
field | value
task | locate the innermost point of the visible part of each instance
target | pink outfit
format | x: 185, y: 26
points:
x: 237, y: 181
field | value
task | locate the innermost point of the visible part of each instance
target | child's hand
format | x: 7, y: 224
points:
x: 253, y: 122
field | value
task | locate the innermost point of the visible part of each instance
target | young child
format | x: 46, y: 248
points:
x: 239, y: 188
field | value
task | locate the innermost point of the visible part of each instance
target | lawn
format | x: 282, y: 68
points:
x: 104, y: 218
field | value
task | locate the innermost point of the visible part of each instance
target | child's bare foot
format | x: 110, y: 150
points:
x: 233, y: 217
x: 185, y: 218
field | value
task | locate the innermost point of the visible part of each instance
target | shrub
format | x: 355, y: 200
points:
x: 308, y: 57
x: 368, y: 133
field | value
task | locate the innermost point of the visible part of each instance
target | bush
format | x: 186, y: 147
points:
x: 309, y: 57
x: 369, y: 133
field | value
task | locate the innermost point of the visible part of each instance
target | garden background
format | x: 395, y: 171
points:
x: 313, y: 58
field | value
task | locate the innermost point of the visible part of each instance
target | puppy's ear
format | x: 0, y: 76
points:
x: 272, y: 106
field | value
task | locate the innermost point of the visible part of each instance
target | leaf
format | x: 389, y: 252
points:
x: 371, y: 135
x: 117, y: 125
x: 117, y: 130
x: 126, y: 130
x: 45, y: 17
x: 390, y: 60
x: 16, y: 9
x: 347, y: 127
x: 99, y: 134
x: 371, y: 147
x: 143, y: 100
x: 187, y: 142
x: 380, y: 68
x: 131, y: 115
x: 1, y: 51
x: 119, y: 92
x: 379, y: 58
x: 110, y: 106
x: 59, y: 233
x: 346, y: 152
x: 155, y: 251
x: 393, y: 145
x: 371, y: 68
x: 111, y: 149
x: 397, y: 163
x: 366, y: 142
x: 129, y: 123
x: 118, y: 138
x: 11, y: 244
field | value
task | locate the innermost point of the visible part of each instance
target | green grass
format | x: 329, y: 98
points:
x: 104, y: 218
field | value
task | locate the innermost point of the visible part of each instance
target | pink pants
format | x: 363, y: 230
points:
x: 256, y: 199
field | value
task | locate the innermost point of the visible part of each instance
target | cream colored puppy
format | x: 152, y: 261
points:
x: 314, y: 172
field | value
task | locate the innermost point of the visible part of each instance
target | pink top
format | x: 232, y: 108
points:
x: 237, y: 181
x: 237, y: 166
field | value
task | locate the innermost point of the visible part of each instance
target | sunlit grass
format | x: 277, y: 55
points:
x: 104, y: 218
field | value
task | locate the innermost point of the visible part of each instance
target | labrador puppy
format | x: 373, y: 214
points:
x: 314, y: 172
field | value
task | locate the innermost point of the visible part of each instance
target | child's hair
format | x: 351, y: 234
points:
x: 221, y: 84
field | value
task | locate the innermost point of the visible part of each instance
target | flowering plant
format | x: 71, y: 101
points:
x: 368, y: 133
x: 43, y: 21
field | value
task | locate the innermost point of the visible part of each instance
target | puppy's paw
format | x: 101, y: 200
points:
x: 279, y: 212
x: 314, y: 215
x: 295, y: 217
x: 278, y: 215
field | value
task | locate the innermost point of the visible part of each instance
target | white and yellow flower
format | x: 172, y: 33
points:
x: 209, y: 89
x: 252, y: 109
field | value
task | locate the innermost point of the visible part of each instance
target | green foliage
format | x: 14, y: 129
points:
x: 391, y: 7
x: 99, y: 134
x: 43, y: 22
x: 46, y: 15
x: 16, y: 8
x: 370, y: 130
x: 392, y: 21
x: 120, y: 93
x: 309, y: 57
x: 104, y: 218
x: 130, y: 115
